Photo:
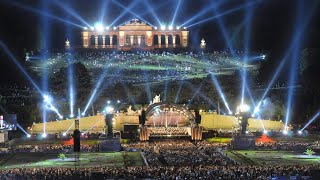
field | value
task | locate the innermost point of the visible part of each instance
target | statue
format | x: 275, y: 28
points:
x: 67, y: 44
x: 203, y: 43
x: 156, y: 99
x: 129, y: 110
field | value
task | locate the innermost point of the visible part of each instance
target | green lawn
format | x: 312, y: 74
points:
x: 275, y: 157
x: 31, y: 160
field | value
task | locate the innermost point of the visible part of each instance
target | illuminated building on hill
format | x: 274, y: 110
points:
x: 134, y: 34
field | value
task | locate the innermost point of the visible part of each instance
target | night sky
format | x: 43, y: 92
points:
x: 272, y: 26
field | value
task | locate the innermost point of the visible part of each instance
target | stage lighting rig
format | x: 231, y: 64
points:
x: 109, y: 109
x: 243, y: 114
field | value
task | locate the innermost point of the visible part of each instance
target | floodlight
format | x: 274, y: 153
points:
x: 85, y: 28
x: 61, y: 117
x: 99, y: 27
x: 44, y: 135
x: 170, y: 28
x: 263, y: 56
x: 46, y: 98
x: 300, y: 132
x: 163, y: 27
x: 107, y: 27
x: 114, y: 28
x: 64, y: 134
x: 265, y: 131
x: 71, y: 115
x: 285, y: 132
x: 109, y: 109
x: 178, y: 27
x: 155, y: 27
x: 230, y: 112
x: 244, y: 108
x: 28, y: 135
x: 83, y: 114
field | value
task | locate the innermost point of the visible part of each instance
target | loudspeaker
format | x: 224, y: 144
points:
x: 76, y: 140
x: 197, y: 116
x: 142, y: 118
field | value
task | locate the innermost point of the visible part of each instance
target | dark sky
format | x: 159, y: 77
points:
x: 272, y: 26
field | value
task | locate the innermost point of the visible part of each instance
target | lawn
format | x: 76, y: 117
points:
x: 32, y: 160
x: 274, y: 157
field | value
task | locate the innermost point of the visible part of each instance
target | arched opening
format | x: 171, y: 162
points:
x: 100, y: 40
x: 177, y: 39
x: 143, y: 40
x: 127, y: 40
x: 170, y: 40
x: 155, y: 40
x: 92, y: 40
x: 107, y: 41
x: 114, y: 40
x: 163, y: 39
x: 135, y: 40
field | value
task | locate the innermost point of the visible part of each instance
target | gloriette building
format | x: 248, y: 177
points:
x: 134, y: 35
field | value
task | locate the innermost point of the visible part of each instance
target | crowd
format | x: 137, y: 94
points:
x: 48, y: 148
x: 159, y: 65
x: 170, y: 159
x: 283, y: 146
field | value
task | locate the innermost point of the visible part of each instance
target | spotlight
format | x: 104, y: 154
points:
x: 60, y: 117
x: 184, y: 27
x: 44, y: 135
x: 178, y: 27
x: 82, y: 134
x: 247, y: 132
x: 230, y: 112
x: 252, y: 115
x: 263, y: 56
x: 170, y: 28
x: 163, y: 27
x: 108, y: 102
x: 285, y: 132
x: 85, y: 28
x: 28, y: 135
x: 71, y: 115
x: 299, y: 132
x: 46, y: 98
x: 83, y: 114
x: 118, y: 101
x: 155, y: 27
x: 114, y: 28
x: 107, y: 27
x: 265, y: 131
x: 92, y: 28
x: 109, y: 109
x: 244, y: 108
x: 64, y: 134
x: 99, y: 27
